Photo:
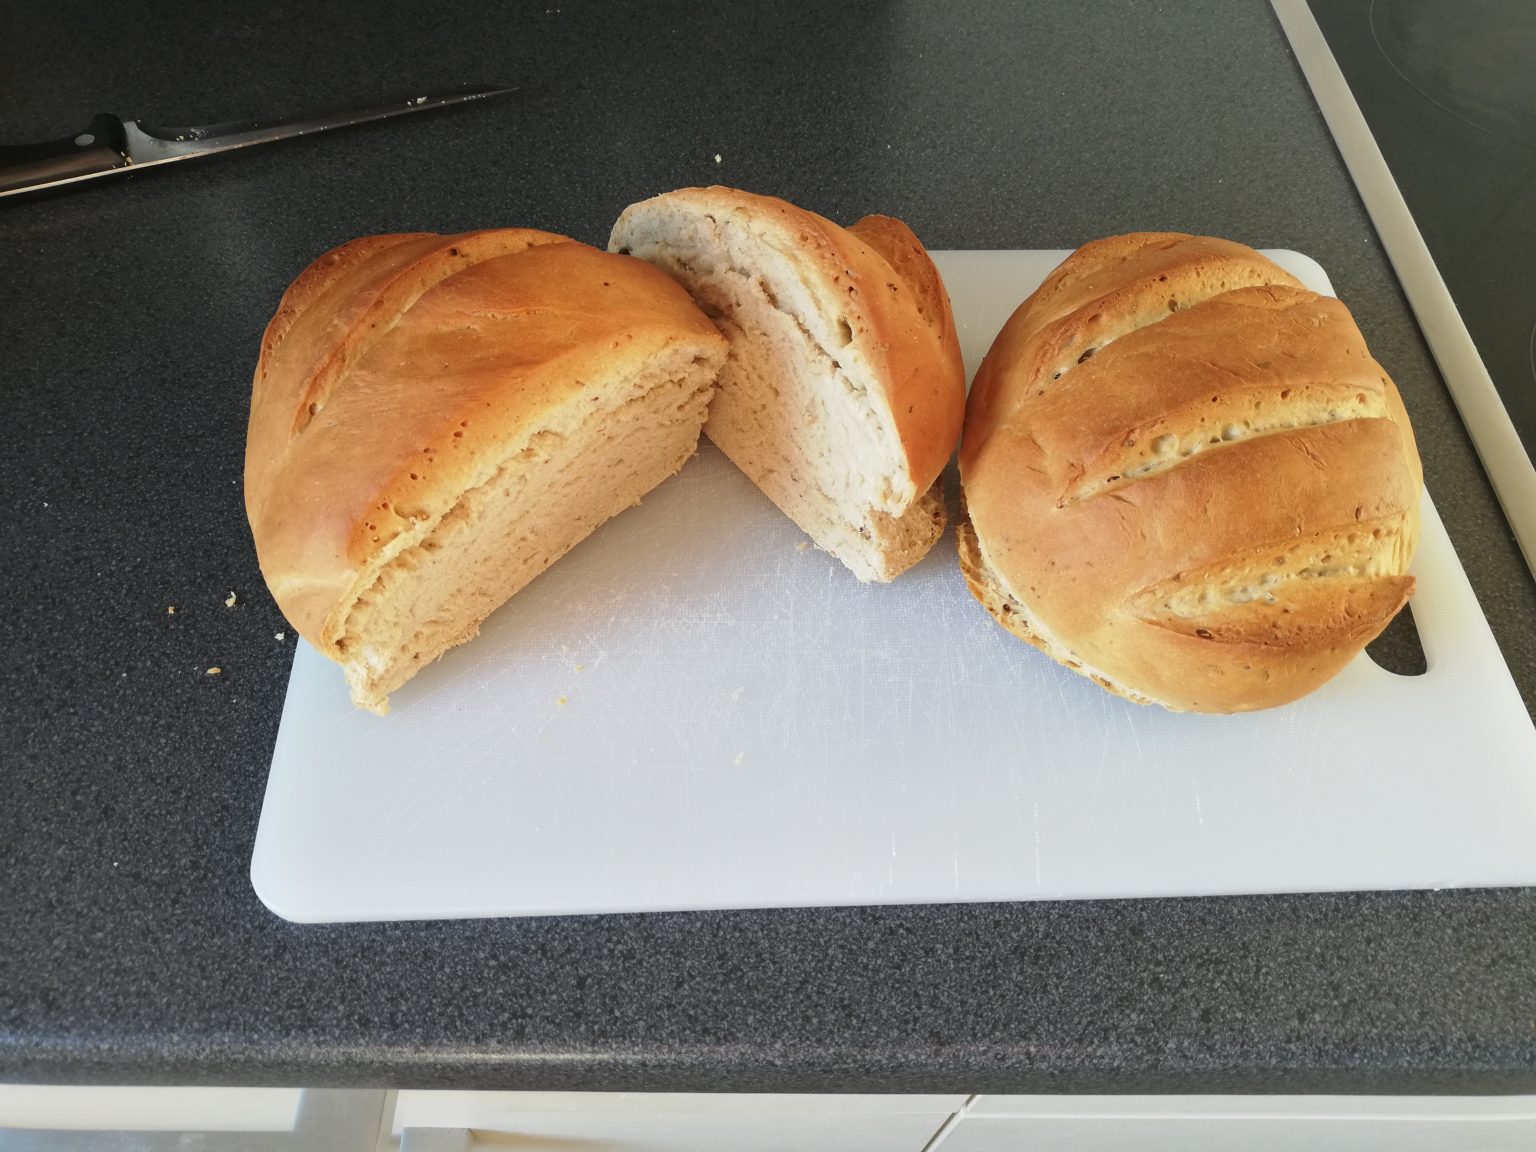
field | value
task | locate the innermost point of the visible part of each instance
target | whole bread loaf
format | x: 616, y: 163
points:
x: 437, y: 419
x: 1187, y: 478
x: 844, y: 392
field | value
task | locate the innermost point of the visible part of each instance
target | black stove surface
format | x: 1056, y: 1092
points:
x: 1448, y: 88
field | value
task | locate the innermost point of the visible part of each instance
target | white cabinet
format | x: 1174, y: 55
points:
x: 87, y: 1107
x: 88, y: 1118
x: 286, y: 1120
x: 1250, y: 1123
x: 680, y: 1122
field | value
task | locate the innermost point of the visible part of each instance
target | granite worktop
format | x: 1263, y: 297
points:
x: 132, y: 947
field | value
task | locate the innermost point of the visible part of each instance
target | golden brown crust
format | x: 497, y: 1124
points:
x: 1012, y: 614
x: 926, y: 392
x: 885, y: 283
x: 425, y: 357
x: 1217, y: 508
x: 1104, y: 291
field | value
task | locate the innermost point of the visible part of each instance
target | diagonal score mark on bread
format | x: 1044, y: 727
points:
x: 1135, y: 282
x: 1223, y: 395
x: 353, y: 296
x: 1356, y: 568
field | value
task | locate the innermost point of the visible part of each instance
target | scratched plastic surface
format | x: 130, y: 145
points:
x: 696, y: 709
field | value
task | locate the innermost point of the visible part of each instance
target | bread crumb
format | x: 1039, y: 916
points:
x: 717, y: 157
x: 230, y: 602
x: 560, y: 703
x: 279, y: 636
x: 737, y: 761
x: 170, y: 609
x: 802, y: 546
x: 736, y: 695
x: 215, y: 670
x: 581, y: 667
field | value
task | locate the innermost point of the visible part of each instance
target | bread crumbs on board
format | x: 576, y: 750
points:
x: 215, y: 671
x: 231, y: 601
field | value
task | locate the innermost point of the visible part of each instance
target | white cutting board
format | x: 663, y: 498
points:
x: 694, y: 709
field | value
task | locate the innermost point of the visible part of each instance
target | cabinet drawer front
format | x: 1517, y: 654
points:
x: 1251, y: 1134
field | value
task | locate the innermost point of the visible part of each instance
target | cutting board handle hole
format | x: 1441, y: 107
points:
x: 1397, y: 649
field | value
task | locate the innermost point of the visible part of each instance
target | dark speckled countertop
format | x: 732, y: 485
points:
x: 132, y: 947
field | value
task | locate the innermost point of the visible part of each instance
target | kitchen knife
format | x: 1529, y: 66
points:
x: 109, y: 144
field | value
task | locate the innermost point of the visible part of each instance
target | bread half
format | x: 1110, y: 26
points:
x: 844, y: 392
x: 1186, y: 477
x: 436, y: 420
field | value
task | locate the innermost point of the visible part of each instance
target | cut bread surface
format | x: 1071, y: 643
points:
x: 582, y: 465
x: 805, y: 401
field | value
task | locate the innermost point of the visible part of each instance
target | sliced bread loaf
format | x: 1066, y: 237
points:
x: 437, y: 419
x: 844, y: 392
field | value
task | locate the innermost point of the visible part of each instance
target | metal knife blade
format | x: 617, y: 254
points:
x: 110, y: 145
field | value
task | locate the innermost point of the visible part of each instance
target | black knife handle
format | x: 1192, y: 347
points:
x: 99, y: 147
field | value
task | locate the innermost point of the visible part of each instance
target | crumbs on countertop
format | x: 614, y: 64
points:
x: 214, y: 671
x: 231, y: 601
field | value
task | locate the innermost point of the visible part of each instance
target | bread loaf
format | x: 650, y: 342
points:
x: 844, y: 392
x: 437, y: 419
x: 1187, y: 478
